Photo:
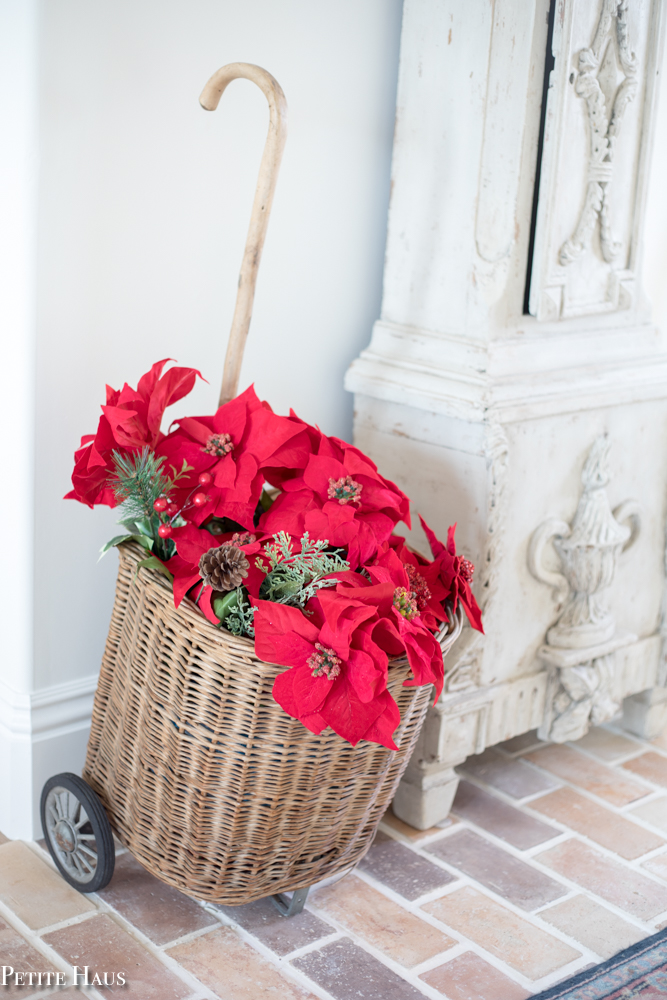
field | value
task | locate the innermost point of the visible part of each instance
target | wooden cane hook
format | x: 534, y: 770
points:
x: 261, y: 208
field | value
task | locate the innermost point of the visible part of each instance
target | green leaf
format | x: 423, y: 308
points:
x: 154, y: 563
x: 224, y: 603
x: 146, y: 543
x: 131, y: 526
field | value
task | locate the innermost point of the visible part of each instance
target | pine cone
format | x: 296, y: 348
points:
x: 223, y: 568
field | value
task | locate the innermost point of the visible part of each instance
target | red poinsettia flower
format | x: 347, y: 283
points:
x: 290, y: 459
x: 130, y: 421
x: 404, y: 627
x: 340, y: 496
x: 430, y: 606
x: 232, y: 445
x: 449, y: 575
x: 338, y: 675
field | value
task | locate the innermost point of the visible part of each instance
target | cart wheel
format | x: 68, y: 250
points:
x: 77, y: 832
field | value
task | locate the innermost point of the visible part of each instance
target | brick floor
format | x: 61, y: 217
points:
x: 554, y: 859
x: 612, y: 785
x: 469, y: 977
x: 499, y: 818
x: 598, y: 823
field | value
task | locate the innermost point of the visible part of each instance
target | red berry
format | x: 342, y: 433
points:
x: 164, y: 530
x: 172, y: 509
x: 199, y: 499
x: 205, y: 479
x: 160, y: 504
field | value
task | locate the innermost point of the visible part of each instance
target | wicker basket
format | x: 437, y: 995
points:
x: 204, y: 778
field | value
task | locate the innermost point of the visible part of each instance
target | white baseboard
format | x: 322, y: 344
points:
x: 42, y: 733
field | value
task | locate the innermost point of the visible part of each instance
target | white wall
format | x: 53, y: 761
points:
x: 18, y: 200
x: 144, y: 205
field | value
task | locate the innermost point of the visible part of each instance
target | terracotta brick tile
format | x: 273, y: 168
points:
x: 607, y: 746
x: 527, y: 741
x: 34, y: 891
x: 158, y: 911
x: 386, y: 925
x: 20, y: 956
x: 654, y: 812
x: 657, y: 866
x: 276, y: 932
x: 593, y: 925
x: 348, y: 972
x: 652, y: 766
x: 526, y: 948
x: 514, y: 777
x: 233, y: 970
x: 103, y: 946
x: 499, y: 818
x: 406, y: 831
x: 402, y: 870
x: 609, y: 829
x: 598, y: 779
x: 469, y: 977
x: 608, y: 879
x: 498, y: 870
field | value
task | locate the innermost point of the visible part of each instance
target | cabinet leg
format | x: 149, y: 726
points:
x: 422, y: 800
x: 645, y: 714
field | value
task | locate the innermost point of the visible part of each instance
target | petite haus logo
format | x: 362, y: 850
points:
x: 79, y: 977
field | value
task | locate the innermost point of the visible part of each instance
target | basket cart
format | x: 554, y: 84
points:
x: 191, y: 763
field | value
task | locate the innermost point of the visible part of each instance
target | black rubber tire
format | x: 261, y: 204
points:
x: 99, y: 827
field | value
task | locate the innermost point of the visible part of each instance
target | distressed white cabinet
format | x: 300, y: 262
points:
x: 515, y: 355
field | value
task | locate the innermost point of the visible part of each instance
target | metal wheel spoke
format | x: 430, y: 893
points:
x: 59, y: 805
x: 54, y: 813
x: 76, y: 863
x: 83, y: 818
x: 84, y: 862
x: 87, y: 836
x: 82, y: 849
x: 73, y: 807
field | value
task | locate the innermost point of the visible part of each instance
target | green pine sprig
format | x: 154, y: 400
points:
x: 294, y: 577
x: 138, y: 480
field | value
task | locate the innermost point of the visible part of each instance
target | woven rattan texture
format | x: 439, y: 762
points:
x: 204, y: 777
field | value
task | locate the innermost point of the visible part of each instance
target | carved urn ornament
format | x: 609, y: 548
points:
x: 580, y: 645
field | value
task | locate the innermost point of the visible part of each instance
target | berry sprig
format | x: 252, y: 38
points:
x: 163, y: 506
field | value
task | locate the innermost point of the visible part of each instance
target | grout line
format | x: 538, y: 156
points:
x: 306, y: 949
x: 280, y: 962
x: 570, y: 887
x: 616, y: 810
x: 79, y: 918
x: 42, y: 947
x: 528, y: 916
x: 406, y: 973
x: 156, y: 951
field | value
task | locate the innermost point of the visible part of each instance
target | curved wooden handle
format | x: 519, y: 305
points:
x: 261, y: 208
